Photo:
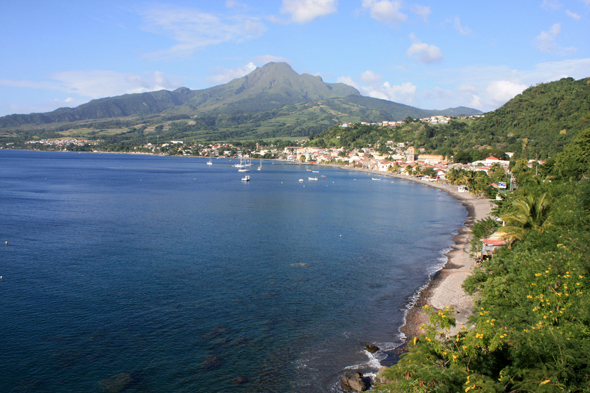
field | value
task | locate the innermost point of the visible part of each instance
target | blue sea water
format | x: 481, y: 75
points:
x: 189, y: 280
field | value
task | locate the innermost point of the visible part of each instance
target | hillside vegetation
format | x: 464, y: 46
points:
x: 535, y: 124
x: 532, y: 303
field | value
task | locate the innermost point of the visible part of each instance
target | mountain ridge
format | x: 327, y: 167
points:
x: 269, y: 87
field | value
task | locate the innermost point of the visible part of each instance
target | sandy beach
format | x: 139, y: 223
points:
x: 445, y: 287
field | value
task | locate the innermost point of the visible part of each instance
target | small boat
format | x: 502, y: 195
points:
x: 244, y: 170
x: 376, y: 178
x: 300, y: 180
x: 246, y: 178
x: 323, y: 175
x: 209, y: 162
x: 312, y: 178
x: 316, y: 171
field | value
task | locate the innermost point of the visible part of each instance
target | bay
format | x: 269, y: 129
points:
x: 187, y: 279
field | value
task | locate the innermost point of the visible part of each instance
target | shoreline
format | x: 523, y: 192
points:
x: 445, y: 286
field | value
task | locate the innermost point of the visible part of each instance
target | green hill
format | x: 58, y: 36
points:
x: 537, y: 123
x: 541, y: 120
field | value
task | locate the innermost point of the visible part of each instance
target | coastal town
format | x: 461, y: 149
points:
x: 400, y: 157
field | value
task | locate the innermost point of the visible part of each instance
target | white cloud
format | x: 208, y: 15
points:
x: 501, y: 91
x: 423, y: 11
x: 546, y: 40
x: 551, y: 5
x: 369, y: 77
x: 572, y: 15
x: 271, y: 59
x: 99, y: 84
x: 422, y: 52
x: 406, y: 93
x: 235, y: 5
x: 304, y: 11
x: 469, y: 97
x: 225, y: 75
x: 193, y: 30
x: 464, y: 30
x: 348, y: 81
x: 385, y: 11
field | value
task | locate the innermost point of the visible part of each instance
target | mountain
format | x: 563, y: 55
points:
x: 271, y: 86
x: 394, y: 111
x: 272, y: 101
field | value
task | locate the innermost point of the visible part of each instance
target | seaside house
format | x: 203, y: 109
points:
x: 491, y: 244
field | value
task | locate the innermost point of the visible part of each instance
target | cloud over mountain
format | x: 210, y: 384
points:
x: 422, y: 52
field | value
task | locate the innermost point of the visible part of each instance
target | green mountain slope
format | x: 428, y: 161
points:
x: 536, y: 123
x: 541, y: 120
x: 271, y: 101
x: 271, y: 86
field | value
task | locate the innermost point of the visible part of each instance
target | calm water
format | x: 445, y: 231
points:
x: 189, y: 280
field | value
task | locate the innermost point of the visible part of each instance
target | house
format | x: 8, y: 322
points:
x: 491, y: 244
x: 431, y: 158
x: 462, y: 188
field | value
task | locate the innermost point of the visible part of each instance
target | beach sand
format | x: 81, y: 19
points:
x: 445, y: 287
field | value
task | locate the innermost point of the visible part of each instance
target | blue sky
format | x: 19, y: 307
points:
x: 431, y: 55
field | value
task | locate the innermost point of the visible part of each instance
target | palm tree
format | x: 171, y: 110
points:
x: 469, y: 179
x: 529, y: 212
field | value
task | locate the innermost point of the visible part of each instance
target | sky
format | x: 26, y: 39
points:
x: 427, y: 54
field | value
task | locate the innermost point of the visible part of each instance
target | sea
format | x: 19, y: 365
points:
x: 142, y: 273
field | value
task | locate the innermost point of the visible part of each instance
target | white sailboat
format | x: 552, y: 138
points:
x: 241, y: 164
x: 260, y: 167
x: 209, y: 162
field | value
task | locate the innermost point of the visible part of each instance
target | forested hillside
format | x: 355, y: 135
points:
x: 535, y: 124
x: 541, y: 120
x: 532, y: 299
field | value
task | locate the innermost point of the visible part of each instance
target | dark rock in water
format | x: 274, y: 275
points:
x: 211, y: 362
x: 116, y: 383
x: 240, y: 380
x: 372, y: 348
x: 353, y: 382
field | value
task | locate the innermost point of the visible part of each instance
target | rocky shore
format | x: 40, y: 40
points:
x: 445, y: 287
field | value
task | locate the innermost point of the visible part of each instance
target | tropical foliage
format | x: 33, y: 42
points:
x: 530, y: 331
